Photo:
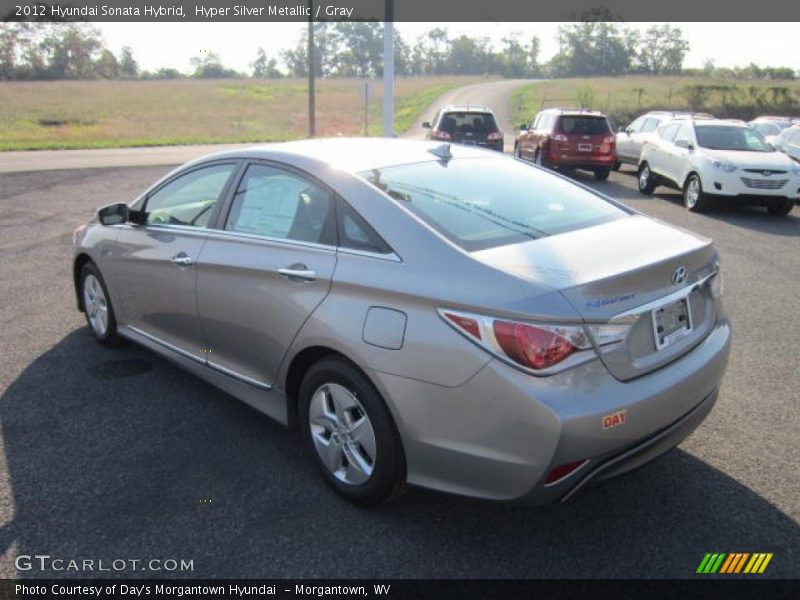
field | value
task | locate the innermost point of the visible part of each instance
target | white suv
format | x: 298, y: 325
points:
x: 712, y: 158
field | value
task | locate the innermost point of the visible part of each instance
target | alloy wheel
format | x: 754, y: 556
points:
x: 95, y: 304
x: 342, y: 432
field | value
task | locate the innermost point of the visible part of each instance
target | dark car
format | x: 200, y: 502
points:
x: 569, y: 138
x: 469, y: 125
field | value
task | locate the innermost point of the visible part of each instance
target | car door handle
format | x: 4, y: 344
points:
x: 300, y: 273
x: 182, y: 259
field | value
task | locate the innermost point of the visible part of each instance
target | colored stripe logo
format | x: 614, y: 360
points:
x: 734, y: 562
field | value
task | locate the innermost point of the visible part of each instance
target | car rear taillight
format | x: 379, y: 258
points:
x: 531, y: 346
x: 608, y: 144
x: 496, y: 135
x: 541, y: 349
x: 438, y: 134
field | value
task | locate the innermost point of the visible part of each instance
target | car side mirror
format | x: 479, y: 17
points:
x: 426, y: 125
x: 623, y: 129
x: 524, y: 127
x: 685, y: 144
x: 119, y: 213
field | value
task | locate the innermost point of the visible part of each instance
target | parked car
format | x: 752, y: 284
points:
x: 425, y: 313
x: 469, y: 125
x: 569, y: 138
x: 788, y: 142
x: 630, y: 139
x: 769, y: 129
x: 711, y: 159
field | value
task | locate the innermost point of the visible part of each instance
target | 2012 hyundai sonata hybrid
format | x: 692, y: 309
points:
x: 430, y: 315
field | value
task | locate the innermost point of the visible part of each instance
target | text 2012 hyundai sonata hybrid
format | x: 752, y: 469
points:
x: 432, y: 315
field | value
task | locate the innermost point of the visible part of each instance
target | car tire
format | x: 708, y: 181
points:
x: 516, y: 152
x: 97, y: 307
x: 538, y: 159
x: 617, y: 166
x: 647, y: 183
x: 351, y: 433
x: 601, y: 174
x: 780, y: 208
x: 694, y: 198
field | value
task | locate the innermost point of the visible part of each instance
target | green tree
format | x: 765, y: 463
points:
x: 128, y: 67
x: 592, y: 48
x: 662, y: 50
x: 265, y: 68
x: 209, y: 66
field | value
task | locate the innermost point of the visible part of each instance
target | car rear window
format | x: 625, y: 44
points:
x: 459, y: 121
x: 480, y: 203
x: 583, y: 125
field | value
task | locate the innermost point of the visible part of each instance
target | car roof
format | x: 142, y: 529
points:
x: 352, y: 155
x: 586, y: 112
x: 476, y: 108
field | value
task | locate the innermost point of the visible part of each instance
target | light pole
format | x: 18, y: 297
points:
x: 312, y: 124
x: 388, y: 70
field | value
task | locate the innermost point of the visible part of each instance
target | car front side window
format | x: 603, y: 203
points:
x: 189, y: 200
x: 279, y: 204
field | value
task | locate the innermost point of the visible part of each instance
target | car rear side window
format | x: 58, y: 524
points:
x: 650, y: 125
x: 355, y: 234
x: 280, y: 204
x: 581, y: 125
x: 480, y: 203
x: 188, y: 199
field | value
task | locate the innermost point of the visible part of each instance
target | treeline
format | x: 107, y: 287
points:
x: 355, y: 49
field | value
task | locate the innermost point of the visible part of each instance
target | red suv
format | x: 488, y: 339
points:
x: 569, y: 138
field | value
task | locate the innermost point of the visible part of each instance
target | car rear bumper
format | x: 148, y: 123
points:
x: 498, y: 435
x: 582, y: 162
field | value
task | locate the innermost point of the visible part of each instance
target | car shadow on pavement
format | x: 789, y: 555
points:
x: 115, y: 454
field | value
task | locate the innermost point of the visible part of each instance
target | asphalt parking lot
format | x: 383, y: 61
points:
x: 110, y: 454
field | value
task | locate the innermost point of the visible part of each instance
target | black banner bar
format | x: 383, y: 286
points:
x: 404, y: 10
x: 710, y: 588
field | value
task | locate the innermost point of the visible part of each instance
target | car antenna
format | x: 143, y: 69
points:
x: 442, y: 151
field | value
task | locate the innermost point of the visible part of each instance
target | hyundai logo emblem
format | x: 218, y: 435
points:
x: 679, y: 275
x: 766, y: 173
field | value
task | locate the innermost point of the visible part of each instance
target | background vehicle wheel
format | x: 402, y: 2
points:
x: 780, y: 208
x: 537, y: 158
x: 601, y: 174
x: 351, y: 433
x: 693, y: 196
x: 97, y: 306
x: 516, y: 151
x: 617, y: 166
x: 647, y: 182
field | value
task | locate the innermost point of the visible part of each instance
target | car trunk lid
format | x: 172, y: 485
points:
x: 624, y: 271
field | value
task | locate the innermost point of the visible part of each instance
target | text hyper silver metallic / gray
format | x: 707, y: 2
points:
x: 424, y: 314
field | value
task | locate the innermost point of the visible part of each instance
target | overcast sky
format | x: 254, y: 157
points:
x: 159, y: 45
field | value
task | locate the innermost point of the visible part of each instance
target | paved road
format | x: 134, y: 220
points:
x: 494, y: 94
x: 118, y: 454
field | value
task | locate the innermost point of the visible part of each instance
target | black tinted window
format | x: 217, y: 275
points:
x: 276, y: 203
x: 720, y: 137
x: 461, y: 121
x: 189, y: 199
x: 584, y: 125
x: 354, y: 233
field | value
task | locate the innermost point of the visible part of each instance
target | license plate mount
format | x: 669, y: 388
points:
x: 585, y: 147
x: 671, y: 323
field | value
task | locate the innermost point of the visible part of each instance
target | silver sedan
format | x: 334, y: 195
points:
x: 424, y: 314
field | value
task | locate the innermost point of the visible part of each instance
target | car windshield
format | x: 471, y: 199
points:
x: 584, y: 125
x: 720, y: 137
x: 480, y: 203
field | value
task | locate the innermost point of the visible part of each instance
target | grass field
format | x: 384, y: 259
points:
x: 624, y: 98
x: 105, y: 114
